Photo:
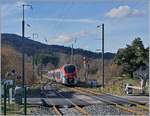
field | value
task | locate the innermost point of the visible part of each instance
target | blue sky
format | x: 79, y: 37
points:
x: 63, y: 21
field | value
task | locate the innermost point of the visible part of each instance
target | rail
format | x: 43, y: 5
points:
x: 57, y: 110
x: 140, y: 112
x: 76, y: 106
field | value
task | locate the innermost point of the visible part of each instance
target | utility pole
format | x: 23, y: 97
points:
x: 23, y: 80
x: 103, y: 55
x: 23, y: 63
x: 99, y: 60
x: 23, y: 23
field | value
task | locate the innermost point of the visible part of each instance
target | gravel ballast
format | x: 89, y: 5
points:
x: 103, y: 109
x: 41, y: 111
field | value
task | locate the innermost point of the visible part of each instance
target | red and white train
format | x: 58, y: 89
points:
x: 67, y: 74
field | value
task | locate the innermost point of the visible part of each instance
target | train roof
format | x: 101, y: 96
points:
x: 68, y: 65
x: 61, y: 68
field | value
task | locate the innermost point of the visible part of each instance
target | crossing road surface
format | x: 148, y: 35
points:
x: 52, y: 97
x: 141, y: 99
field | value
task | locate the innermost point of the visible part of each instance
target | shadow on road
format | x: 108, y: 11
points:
x: 38, y: 93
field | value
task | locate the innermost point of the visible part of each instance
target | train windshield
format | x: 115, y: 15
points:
x: 69, y: 69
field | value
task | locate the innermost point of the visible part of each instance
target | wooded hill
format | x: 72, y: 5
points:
x: 31, y: 46
x: 53, y: 56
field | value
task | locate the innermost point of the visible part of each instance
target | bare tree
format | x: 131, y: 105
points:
x: 143, y: 74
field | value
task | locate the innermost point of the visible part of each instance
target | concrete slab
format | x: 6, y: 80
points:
x: 88, y: 99
x: 141, y: 99
x: 57, y: 101
x: 35, y: 101
x: 78, y: 99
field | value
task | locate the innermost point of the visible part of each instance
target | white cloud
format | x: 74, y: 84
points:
x: 9, y: 9
x: 62, y: 39
x: 123, y: 11
x: 86, y: 47
x: 68, y: 38
x: 20, y: 2
x: 66, y: 20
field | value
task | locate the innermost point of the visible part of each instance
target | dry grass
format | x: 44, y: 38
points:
x: 12, y: 59
x: 117, y: 85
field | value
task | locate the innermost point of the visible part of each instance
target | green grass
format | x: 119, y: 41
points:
x: 15, y: 109
x: 11, y: 109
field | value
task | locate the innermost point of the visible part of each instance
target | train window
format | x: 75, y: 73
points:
x: 59, y: 74
x: 56, y: 74
x: 49, y: 74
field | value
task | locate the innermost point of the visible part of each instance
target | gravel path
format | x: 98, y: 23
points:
x: 102, y: 109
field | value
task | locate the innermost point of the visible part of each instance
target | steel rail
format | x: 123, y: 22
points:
x: 86, y: 91
x: 76, y: 106
x: 56, y: 110
x: 117, y: 105
x: 133, y: 102
x: 129, y: 101
x: 58, y: 113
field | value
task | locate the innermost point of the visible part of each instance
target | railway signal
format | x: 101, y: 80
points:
x: 34, y: 35
x: 72, y: 52
x: 86, y: 67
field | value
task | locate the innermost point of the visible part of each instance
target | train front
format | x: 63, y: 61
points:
x: 70, y: 74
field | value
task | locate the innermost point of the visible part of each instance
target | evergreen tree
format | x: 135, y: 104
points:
x: 132, y: 57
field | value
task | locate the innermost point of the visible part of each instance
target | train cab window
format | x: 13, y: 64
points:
x: 69, y: 69
x: 56, y: 74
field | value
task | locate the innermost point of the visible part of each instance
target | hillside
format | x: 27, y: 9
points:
x: 55, y: 57
x: 31, y: 46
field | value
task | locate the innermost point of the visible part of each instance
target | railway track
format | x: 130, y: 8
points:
x: 77, y: 107
x: 128, y: 106
x: 57, y: 110
x: 137, y: 109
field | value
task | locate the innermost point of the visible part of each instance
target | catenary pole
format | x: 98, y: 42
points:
x: 23, y: 68
x: 23, y: 57
x: 103, y: 55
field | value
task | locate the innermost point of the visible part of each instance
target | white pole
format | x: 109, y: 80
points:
x: 10, y: 95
